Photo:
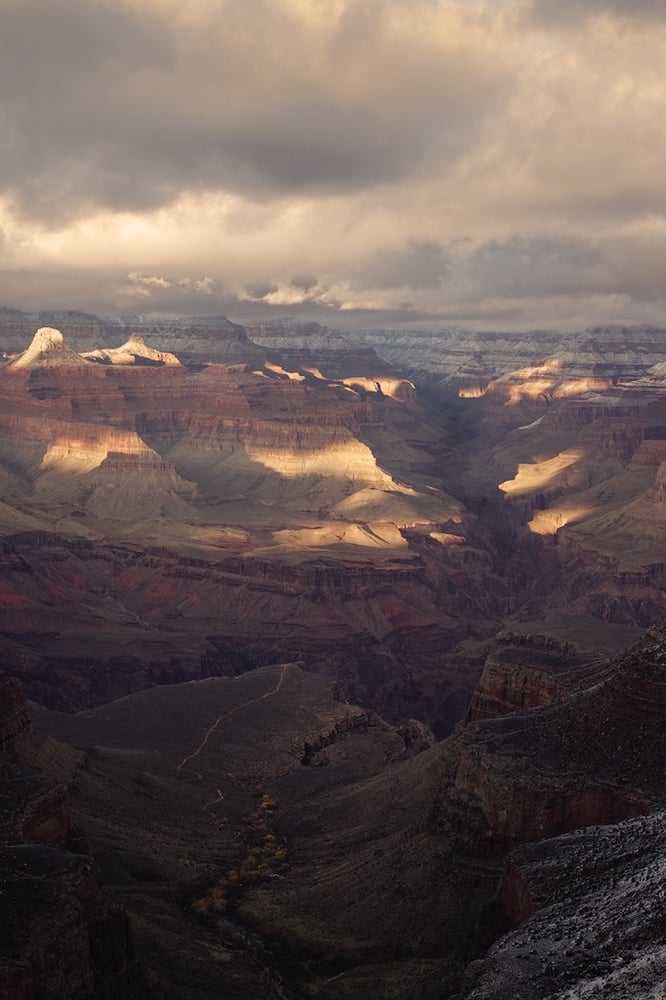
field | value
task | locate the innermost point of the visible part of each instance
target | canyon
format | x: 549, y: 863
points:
x: 345, y: 656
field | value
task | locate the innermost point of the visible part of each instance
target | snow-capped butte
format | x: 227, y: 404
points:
x: 133, y: 351
x: 48, y: 347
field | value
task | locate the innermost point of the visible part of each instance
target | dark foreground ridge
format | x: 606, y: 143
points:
x: 264, y: 839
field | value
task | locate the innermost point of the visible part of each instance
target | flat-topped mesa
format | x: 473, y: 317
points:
x: 47, y: 349
x: 322, y: 353
x: 203, y: 339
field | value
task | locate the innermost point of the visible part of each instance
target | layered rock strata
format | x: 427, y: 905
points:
x: 220, y: 505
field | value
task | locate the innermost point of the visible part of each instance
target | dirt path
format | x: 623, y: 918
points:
x: 228, y: 714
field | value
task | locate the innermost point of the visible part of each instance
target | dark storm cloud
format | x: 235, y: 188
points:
x: 304, y: 282
x: 519, y: 267
x: 422, y: 264
x: 260, y: 289
x: 62, y: 72
x: 126, y: 105
x: 339, y: 158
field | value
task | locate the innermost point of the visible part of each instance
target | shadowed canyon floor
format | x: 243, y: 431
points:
x: 353, y: 556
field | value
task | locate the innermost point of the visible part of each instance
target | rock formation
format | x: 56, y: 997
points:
x: 47, y: 349
x: 589, y: 903
x: 133, y: 352
x: 278, y: 477
x: 190, y: 338
x: 523, y: 672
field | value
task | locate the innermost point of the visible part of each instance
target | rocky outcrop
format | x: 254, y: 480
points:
x: 589, y: 916
x: 49, y: 898
x: 590, y: 905
x: 356, y: 722
x: 589, y: 758
x: 47, y: 349
x: 82, y: 330
x: 134, y: 351
x: 59, y: 939
x: 32, y: 806
x: 522, y: 672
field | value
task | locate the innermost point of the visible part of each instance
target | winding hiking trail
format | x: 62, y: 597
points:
x: 229, y: 713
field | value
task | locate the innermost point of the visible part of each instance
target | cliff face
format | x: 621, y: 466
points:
x: 589, y: 758
x: 522, y: 672
x: 590, y: 905
x: 33, y: 806
x: 306, y: 510
x: 308, y: 473
x: 156, y: 616
x: 583, y: 474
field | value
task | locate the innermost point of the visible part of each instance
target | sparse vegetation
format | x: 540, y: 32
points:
x: 265, y: 856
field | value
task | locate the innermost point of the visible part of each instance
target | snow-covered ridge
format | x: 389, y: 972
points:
x: 454, y: 354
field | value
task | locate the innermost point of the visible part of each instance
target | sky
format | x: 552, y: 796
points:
x: 498, y: 164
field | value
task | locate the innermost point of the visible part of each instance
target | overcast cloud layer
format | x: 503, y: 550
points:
x: 493, y: 163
